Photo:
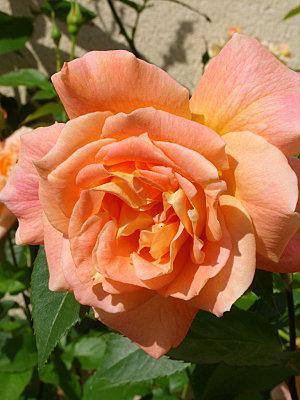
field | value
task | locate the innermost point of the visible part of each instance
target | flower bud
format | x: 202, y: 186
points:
x: 55, y: 33
x: 74, y: 19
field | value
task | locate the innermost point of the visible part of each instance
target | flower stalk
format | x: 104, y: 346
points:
x: 74, y: 24
x: 56, y: 36
x: 129, y: 40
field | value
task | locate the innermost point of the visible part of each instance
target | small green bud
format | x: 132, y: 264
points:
x: 74, y: 19
x: 55, y: 33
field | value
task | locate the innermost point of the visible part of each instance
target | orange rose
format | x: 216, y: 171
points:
x: 152, y: 206
x: 9, y: 152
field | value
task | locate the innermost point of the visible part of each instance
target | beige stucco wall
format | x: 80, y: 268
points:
x: 168, y: 35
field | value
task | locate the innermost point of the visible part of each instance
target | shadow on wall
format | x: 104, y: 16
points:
x: 177, y: 51
x: 91, y: 37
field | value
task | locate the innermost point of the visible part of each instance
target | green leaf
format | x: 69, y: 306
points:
x: 45, y: 110
x: 14, y: 32
x: 263, y: 285
x: 88, y: 350
x: 106, y: 391
x: 178, y: 382
x: 9, y: 278
x: 48, y: 374
x: 223, y: 382
x: 274, y: 311
x: 240, y: 338
x: 17, y: 353
x: 124, y: 363
x: 10, y: 285
x: 44, y: 94
x: 246, y: 301
x: 54, y: 313
x: 293, y: 12
x: 68, y: 380
x: 12, y: 385
x: 62, y: 9
x: 26, y: 77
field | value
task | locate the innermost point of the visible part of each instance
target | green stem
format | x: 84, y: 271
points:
x: 11, y: 248
x: 123, y: 31
x: 57, y: 58
x: 26, y: 308
x: 288, y: 284
x: 73, y: 45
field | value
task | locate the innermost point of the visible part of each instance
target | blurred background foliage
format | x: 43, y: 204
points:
x: 53, y: 348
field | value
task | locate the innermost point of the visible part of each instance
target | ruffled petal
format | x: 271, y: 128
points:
x: 262, y: 179
x: 221, y: 291
x: 156, y: 326
x: 76, y: 148
x: 117, y: 81
x: 163, y: 126
x: 55, y: 257
x: 21, y: 191
x: 193, y: 277
x: 246, y: 88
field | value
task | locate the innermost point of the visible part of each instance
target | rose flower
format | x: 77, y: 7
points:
x: 152, y: 206
x: 9, y: 152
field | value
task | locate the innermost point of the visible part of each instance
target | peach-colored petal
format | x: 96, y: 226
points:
x: 193, y: 277
x: 212, y: 193
x: 155, y: 275
x: 189, y: 162
x: 167, y: 127
x: 158, y: 239
x: 76, y: 148
x: 63, y: 276
x: 21, y: 191
x: 117, y: 81
x: 112, y: 255
x: 196, y: 197
x: 7, y: 219
x: 91, y: 175
x: 156, y: 326
x: 130, y: 220
x: 181, y: 206
x: 246, y: 88
x: 75, y: 134
x: 221, y: 291
x: 289, y: 260
x: 134, y: 148
x: 55, y: 257
x: 85, y: 225
x: 157, y: 179
x: 121, y: 189
x: 281, y: 392
x: 262, y: 179
x: 58, y: 193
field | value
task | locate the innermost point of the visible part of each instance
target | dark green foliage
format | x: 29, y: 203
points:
x: 14, y: 32
x: 54, y: 313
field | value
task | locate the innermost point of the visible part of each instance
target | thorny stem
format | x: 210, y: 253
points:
x: 123, y: 31
x: 137, y: 18
x: 288, y: 284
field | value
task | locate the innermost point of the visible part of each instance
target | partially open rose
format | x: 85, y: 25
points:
x: 9, y: 153
x: 153, y: 205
